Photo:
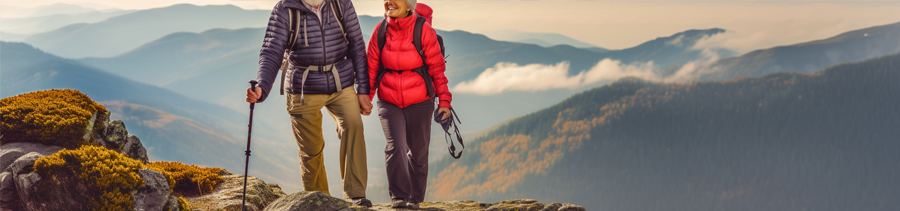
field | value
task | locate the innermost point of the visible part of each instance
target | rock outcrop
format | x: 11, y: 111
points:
x: 115, y: 136
x: 154, y: 194
x: 25, y: 141
x: 228, y: 195
x: 309, y: 200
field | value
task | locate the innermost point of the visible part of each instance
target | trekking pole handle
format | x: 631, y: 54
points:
x: 253, y: 89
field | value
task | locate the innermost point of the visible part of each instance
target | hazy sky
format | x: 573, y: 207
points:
x: 611, y: 24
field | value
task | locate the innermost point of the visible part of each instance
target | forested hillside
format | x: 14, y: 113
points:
x: 784, y: 141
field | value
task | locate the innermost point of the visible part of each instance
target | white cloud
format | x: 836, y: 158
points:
x: 608, y: 69
x: 535, y: 77
x: 509, y: 76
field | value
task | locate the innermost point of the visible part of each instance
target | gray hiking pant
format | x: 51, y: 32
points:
x: 408, y: 133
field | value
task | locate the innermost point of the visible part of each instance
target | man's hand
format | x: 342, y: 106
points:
x: 253, y: 96
x: 445, y: 111
x: 365, y: 106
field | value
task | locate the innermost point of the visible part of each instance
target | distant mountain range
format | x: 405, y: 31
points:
x: 52, y: 9
x: 807, y: 57
x: 40, y: 24
x: 542, y: 39
x: 171, y: 126
x: 187, y: 55
x: 783, y: 141
x: 123, y: 33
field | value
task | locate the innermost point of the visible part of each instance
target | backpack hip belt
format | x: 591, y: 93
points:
x: 421, y: 70
x: 324, y: 68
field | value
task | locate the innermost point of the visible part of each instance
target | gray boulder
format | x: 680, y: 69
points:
x: 155, y: 192
x: 134, y: 149
x: 11, y: 152
x: 309, y: 200
x: 172, y: 204
x: 228, y: 195
x: 9, y: 198
x: 15, y: 159
x: 62, y: 192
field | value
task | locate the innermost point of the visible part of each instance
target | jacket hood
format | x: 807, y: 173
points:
x: 424, y: 11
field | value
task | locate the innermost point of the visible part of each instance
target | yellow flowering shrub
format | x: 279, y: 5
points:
x: 189, y: 180
x: 108, y: 172
x: 183, y: 204
x: 53, y: 117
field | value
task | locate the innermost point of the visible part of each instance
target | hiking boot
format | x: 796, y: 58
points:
x: 362, y: 201
x: 412, y: 205
x: 398, y: 203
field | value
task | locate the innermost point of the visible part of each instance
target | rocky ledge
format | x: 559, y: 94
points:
x: 315, y: 200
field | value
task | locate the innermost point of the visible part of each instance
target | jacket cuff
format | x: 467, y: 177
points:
x: 362, y: 90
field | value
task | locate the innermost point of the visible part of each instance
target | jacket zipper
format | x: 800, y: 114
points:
x: 325, y: 51
x: 400, y: 89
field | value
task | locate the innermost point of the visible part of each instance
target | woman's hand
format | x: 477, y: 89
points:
x: 253, y: 96
x: 445, y: 111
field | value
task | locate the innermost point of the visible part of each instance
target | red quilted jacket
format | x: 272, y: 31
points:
x: 399, y: 53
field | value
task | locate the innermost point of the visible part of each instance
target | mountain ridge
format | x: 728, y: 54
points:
x: 809, y: 56
x: 125, y: 32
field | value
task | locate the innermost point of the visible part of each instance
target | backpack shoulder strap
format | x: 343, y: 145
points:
x: 441, y: 43
x: 338, y: 12
x: 293, y: 33
x: 417, y: 41
x: 382, y: 34
x: 382, y: 39
x: 417, y: 37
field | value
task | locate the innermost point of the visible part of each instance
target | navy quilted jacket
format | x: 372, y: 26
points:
x: 312, y: 48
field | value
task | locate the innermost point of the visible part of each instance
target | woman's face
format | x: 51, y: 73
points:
x: 396, y: 8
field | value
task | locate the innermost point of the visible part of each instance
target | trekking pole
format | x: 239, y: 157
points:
x: 247, y: 161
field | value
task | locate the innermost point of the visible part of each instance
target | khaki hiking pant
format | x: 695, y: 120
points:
x: 306, y: 118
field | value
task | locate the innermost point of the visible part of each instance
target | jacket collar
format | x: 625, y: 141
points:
x: 402, y: 23
x: 296, y: 4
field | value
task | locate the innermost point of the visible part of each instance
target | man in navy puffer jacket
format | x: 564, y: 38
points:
x: 324, y: 67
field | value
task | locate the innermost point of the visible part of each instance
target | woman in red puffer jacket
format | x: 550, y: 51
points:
x: 404, y: 106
